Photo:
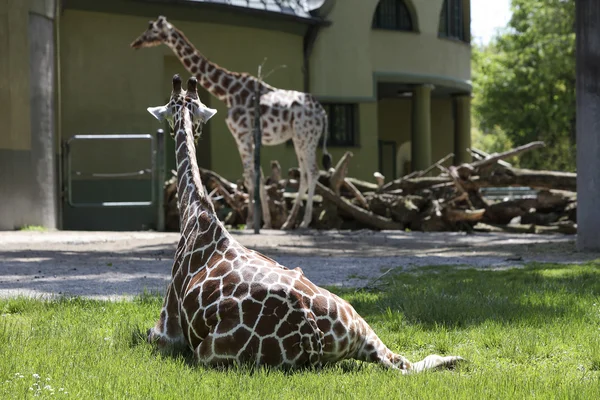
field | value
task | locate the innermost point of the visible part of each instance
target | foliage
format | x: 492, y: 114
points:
x: 530, y: 333
x: 524, y: 82
x: 494, y: 141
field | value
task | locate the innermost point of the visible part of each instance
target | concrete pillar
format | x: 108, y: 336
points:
x: 462, y: 128
x: 41, y: 87
x: 421, y: 127
x: 588, y: 128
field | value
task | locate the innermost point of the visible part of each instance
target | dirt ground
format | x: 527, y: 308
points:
x: 108, y: 265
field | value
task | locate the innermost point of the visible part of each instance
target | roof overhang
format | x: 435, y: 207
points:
x: 202, y: 11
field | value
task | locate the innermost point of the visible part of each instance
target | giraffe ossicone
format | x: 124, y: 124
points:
x: 231, y: 305
x: 285, y: 115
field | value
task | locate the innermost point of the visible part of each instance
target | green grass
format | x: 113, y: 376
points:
x: 33, y: 228
x: 528, y: 333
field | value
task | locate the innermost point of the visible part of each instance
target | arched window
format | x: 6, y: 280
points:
x: 393, y: 15
x: 452, y: 20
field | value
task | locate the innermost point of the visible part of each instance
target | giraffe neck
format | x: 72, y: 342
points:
x: 218, y: 81
x: 189, y: 185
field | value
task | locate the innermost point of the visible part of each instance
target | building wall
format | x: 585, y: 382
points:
x: 14, y: 76
x: 27, y: 142
x: 349, y: 55
x: 395, y: 125
x: 107, y: 86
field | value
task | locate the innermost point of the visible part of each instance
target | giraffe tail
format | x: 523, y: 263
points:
x: 434, y: 361
x: 327, y: 160
x: 374, y: 350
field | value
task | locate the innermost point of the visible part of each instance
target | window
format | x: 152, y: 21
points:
x: 342, y: 124
x: 452, y: 21
x: 392, y: 15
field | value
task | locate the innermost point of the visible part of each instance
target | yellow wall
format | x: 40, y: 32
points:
x: 15, y: 133
x: 107, y: 86
x: 395, y: 125
x: 442, y: 129
x: 349, y: 52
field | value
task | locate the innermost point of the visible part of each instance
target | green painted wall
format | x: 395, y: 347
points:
x: 442, y: 129
x: 365, y: 159
x: 14, y: 75
x: 395, y: 125
x: 107, y: 86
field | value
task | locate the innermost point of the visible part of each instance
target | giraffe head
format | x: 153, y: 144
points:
x: 172, y: 111
x: 158, y: 32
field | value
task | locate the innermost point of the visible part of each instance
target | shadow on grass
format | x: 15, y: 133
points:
x: 460, y: 298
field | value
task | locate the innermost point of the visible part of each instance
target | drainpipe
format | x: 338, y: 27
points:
x: 58, y: 115
x: 310, y: 38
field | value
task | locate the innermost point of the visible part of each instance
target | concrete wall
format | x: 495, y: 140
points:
x: 395, y: 125
x: 27, y: 137
x: 349, y: 53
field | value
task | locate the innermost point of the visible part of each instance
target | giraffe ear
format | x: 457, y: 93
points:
x: 205, y: 113
x: 160, y: 112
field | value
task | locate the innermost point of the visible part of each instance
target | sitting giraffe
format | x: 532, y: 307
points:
x: 285, y: 114
x: 232, y: 305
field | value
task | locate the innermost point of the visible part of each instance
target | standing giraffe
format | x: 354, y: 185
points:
x: 229, y: 304
x: 285, y: 114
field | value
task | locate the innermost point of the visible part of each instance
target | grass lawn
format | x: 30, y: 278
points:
x: 528, y: 333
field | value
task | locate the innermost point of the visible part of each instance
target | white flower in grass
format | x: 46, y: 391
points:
x: 48, y: 379
x: 36, y: 376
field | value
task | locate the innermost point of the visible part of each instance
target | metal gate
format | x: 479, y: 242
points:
x: 94, y: 213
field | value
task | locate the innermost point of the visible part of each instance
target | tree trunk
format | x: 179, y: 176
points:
x: 588, y: 129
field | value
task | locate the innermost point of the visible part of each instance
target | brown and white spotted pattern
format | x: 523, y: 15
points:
x: 229, y: 304
x: 285, y: 114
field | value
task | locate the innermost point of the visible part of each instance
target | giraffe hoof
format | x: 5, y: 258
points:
x: 304, y: 225
x: 286, y: 227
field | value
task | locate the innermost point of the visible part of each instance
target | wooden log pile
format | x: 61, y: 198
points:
x: 438, y: 198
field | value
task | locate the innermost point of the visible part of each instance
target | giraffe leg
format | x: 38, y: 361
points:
x: 312, y: 177
x: 245, y: 148
x: 166, y: 334
x: 291, y: 220
x: 264, y: 202
x: 247, y: 157
x: 303, y: 184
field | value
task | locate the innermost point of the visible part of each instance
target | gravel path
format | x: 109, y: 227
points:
x: 108, y: 265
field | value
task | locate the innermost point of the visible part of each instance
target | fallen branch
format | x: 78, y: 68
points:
x: 356, y: 193
x: 530, y: 178
x: 437, y: 164
x: 206, y: 175
x: 493, y: 158
x: 363, y: 216
x: 338, y: 175
x: 482, y: 155
x: 228, y: 197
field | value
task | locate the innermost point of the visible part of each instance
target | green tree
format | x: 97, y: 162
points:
x: 524, y: 82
